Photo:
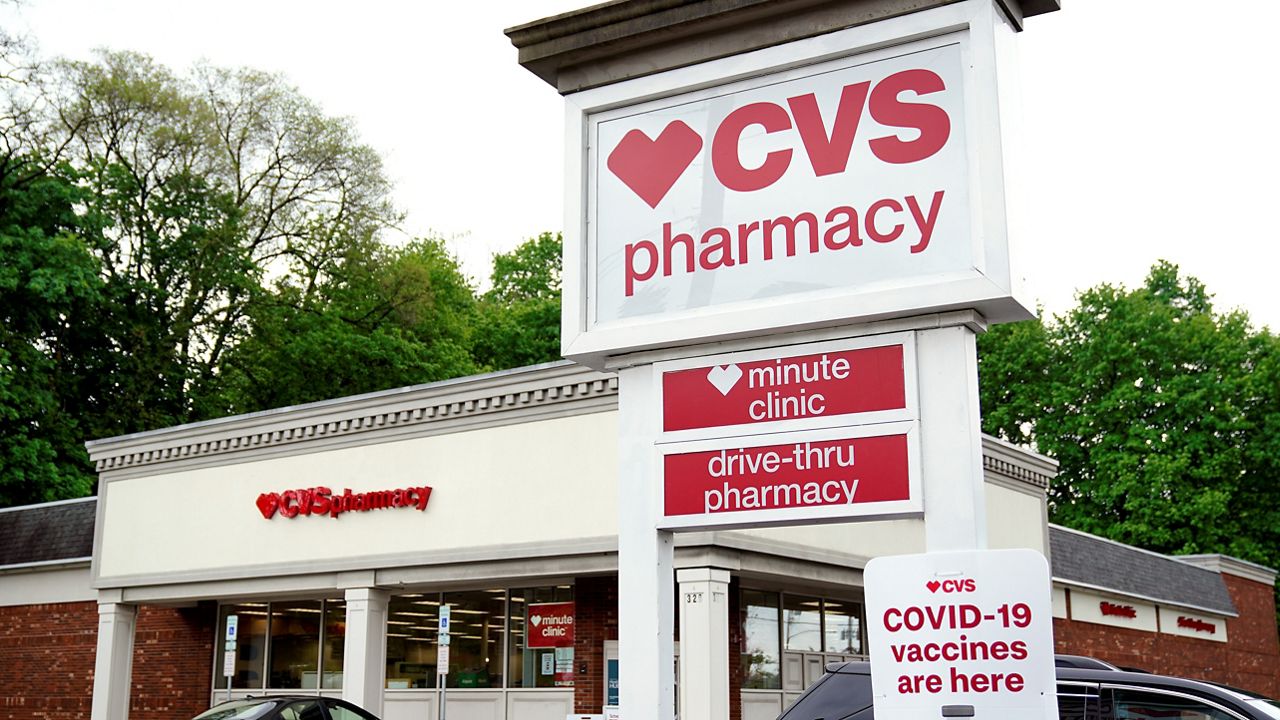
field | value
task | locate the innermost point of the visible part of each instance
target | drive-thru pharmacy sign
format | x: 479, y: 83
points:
x: 961, y: 630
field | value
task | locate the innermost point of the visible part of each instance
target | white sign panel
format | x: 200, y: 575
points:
x: 819, y: 190
x: 442, y: 660
x: 958, y: 630
x: 844, y: 174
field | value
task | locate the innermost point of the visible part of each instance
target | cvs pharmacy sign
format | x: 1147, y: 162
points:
x: 838, y: 176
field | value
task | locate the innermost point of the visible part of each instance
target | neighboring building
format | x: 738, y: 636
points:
x: 518, y: 535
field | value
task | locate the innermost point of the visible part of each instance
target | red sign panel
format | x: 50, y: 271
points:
x: 822, y: 473
x: 788, y: 388
x: 549, y: 625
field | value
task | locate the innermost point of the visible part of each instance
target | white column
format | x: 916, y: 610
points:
x: 646, y: 601
x: 704, y: 643
x: 113, y: 666
x: 364, y: 657
x: 955, y: 511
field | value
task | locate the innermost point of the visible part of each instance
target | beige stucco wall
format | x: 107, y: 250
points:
x: 548, y: 481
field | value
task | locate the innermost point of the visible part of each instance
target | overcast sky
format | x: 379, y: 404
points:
x: 1151, y: 125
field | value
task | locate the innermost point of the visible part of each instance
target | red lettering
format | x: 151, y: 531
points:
x: 932, y: 121
x: 873, y: 231
x: 829, y: 154
x: 725, y: 158
x: 633, y: 273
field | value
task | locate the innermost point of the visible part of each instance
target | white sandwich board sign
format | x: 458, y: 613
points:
x: 964, y: 634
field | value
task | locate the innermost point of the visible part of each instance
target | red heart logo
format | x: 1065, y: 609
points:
x: 651, y: 167
x: 933, y: 586
x: 268, y: 503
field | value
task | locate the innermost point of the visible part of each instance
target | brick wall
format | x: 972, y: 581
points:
x: 47, y: 657
x: 1250, y: 659
x: 172, y: 662
x: 596, y: 609
x: 46, y: 660
x: 1253, y: 658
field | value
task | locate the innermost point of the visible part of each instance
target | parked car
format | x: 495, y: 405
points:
x: 1088, y: 689
x: 286, y: 707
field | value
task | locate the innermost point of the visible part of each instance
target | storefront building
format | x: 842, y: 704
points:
x: 335, y: 531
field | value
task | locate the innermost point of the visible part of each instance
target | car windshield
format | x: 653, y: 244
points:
x: 239, y: 710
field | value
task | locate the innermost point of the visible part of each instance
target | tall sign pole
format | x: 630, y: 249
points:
x: 784, y: 224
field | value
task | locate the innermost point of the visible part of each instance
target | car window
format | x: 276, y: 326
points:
x: 1155, y: 705
x: 238, y: 710
x: 302, y: 710
x: 339, y: 710
x: 1078, y: 702
x: 837, y: 696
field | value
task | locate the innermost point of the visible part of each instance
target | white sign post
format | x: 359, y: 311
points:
x: 442, y: 655
x: 961, y: 634
x: 229, y: 651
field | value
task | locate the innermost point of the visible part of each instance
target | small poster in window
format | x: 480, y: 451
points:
x: 548, y: 663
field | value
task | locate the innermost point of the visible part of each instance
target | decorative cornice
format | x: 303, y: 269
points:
x: 472, y: 402
x: 1011, y: 462
x: 373, y: 417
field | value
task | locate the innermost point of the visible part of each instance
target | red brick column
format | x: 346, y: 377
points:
x: 736, y: 641
x: 596, y: 620
x: 172, y: 662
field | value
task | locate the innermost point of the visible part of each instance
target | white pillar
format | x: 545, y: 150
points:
x: 704, y: 643
x: 646, y: 601
x: 955, y: 511
x: 364, y: 657
x: 113, y: 666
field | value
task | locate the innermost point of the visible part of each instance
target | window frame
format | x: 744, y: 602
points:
x: 1109, y: 692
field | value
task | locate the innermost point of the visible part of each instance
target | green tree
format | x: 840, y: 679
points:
x: 205, y: 185
x: 48, y: 282
x: 377, y: 318
x: 519, y: 318
x: 1162, y: 414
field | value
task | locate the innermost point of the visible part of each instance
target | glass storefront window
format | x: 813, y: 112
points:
x: 251, y: 644
x: 842, y: 627
x: 760, y: 655
x: 295, y: 645
x: 802, y: 623
x: 411, y: 640
x: 549, y: 662
x: 475, y: 649
x: 333, y: 642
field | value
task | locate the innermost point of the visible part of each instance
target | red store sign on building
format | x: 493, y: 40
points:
x: 549, y: 625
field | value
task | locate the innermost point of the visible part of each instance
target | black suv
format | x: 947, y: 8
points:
x: 286, y: 707
x: 1088, y: 689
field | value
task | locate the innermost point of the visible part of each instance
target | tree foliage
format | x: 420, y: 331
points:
x: 519, y: 318
x: 1163, y: 414
x: 177, y: 247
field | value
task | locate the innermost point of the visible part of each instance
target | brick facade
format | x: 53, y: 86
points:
x: 46, y: 661
x: 596, y: 609
x: 1250, y: 660
x: 47, y: 657
x: 173, y: 662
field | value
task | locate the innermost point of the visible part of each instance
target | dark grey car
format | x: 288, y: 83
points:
x: 1087, y: 690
